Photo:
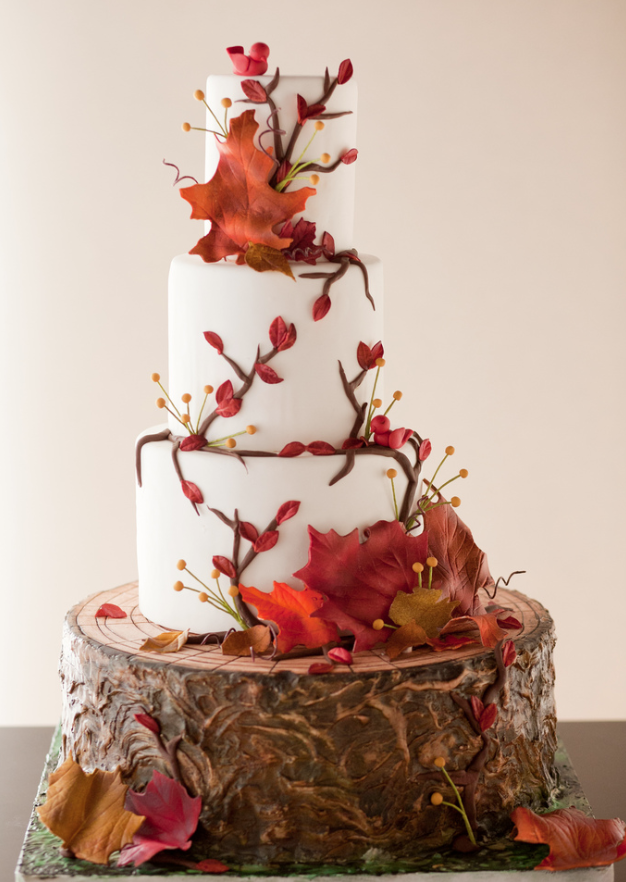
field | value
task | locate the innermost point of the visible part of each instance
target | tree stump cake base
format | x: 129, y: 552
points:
x: 307, y: 770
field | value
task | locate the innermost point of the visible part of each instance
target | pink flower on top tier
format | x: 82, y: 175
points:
x: 254, y: 64
x: 388, y: 437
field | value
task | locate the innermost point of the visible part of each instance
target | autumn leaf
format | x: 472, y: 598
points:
x: 291, y: 611
x: 254, y: 91
x: 111, y: 611
x: 281, y: 336
x: 210, y: 865
x: 366, y: 357
x: 424, y: 607
x: 575, y: 840
x: 262, y: 259
x: 192, y: 492
x: 266, y: 541
x: 320, y: 668
x: 87, y: 812
x: 225, y: 566
x: 487, y: 625
x: 238, y: 200
x: 462, y: 567
x: 193, y: 442
x: 361, y: 579
x: 294, y: 448
x: 287, y: 510
x: 171, y: 817
x: 168, y: 641
x: 227, y: 404
x: 450, y: 641
x: 215, y: 341
x: 425, y: 449
x: 321, y: 307
x: 267, y: 374
x: 408, y: 635
x: 307, y: 111
x: 320, y: 448
x: 248, y: 531
x: 302, y: 237
x: 345, y: 71
x: 340, y: 655
x: 350, y: 156
x: 240, y: 643
x: 148, y: 722
x: 484, y: 716
x: 508, y: 653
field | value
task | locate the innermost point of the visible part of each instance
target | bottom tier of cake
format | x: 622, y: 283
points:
x: 336, y: 768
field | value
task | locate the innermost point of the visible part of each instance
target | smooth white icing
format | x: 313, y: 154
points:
x: 168, y: 528
x: 239, y: 304
x: 332, y: 207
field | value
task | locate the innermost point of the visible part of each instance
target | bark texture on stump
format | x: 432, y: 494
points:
x: 312, y: 769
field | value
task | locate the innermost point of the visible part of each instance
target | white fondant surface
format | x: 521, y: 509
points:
x: 239, y: 304
x: 332, y: 207
x: 169, y: 529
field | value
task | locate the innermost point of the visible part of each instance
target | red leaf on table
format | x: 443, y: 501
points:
x: 361, y: 579
x: 345, y: 71
x: 321, y: 307
x: 192, y: 492
x: 294, y: 448
x: 320, y: 668
x: 227, y: 404
x: 462, y: 567
x: 171, y: 818
x: 210, y: 865
x: 350, y: 157
x: 320, y: 448
x: 340, y: 655
x: 575, y: 840
x: 148, y: 722
x: 267, y: 374
x: 287, y: 510
x: 238, y: 200
x: 111, y: 611
x: 248, y: 531
x: 508, y: 653
x: 266, y: 541
x: 291, y: 611
x: 425, y: 449
x: 215, y: 340
x: 509, y: 623
x: 225, y: 566
x: 308, y: 111
x: 253, y: 90
x: 449, y: 641
x: 193, y: 442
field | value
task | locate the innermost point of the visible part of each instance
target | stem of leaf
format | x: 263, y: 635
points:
x: 440, y: 488
x: 432, y: 480
x: 371, y: 407
x: 468, y: 827
x: 200, y: 414
x: 393, y: 401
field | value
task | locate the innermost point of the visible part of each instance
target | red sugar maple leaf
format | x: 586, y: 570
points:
x: 171, y: 819
x: 361, y: 579
x: 238, y: 200
x: 291, y: 611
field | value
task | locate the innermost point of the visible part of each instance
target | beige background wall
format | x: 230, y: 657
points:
x: 492, y: 182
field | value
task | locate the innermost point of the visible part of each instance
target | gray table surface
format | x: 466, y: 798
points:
x: 596, y: 749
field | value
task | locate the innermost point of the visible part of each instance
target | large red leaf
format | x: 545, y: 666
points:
x: 575, y: 840
x: 462, y: 567
x: 361, y: 579
x: 238, y: 200
x: 171, y: 817
x: 291, y: 611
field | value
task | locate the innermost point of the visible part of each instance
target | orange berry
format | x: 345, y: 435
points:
x: 186, y: 127
x: 397, y: 395
x: 198, y: 95
x: 319, y: 125
x: 185, y: 418
x: 178, y: 586
x: 449, y: 450
x: 380, y: 362
x: 155, y: 378
x: 160, y: 402
x: 215, y: 574
x: 186, y: 398
x: 226, y: 102
x: 377, y: 402
x: 181, y: 564
x: 418, y: 567
x: 440, y: 762
x: 233, y: 591
x: 314, y: 179
x: 202, y: 597
x: 230, y: 443
x: 378, y: 624
x: 392, y: 473
x: 251, y: 430
x: 431, y: 561
x: 436, y: 799
x: 325, y: 157
x: 455, y: 502
x: 463, y: 473
x: 208, y: 390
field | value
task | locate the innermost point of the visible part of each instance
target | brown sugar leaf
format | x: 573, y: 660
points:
x: 87, y: 812
x: 424, y: 607
x: 408, y: 635
x: 168, y: 641
x: 240, y: 643
x: 263, y: 259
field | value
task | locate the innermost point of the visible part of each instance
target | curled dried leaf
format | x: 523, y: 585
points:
x: 168, y: 641
x: 240, y: 643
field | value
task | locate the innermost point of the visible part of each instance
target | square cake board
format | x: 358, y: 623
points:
x: 500, y: 861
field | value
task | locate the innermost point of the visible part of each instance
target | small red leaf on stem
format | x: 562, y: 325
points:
x: 253, y: 90
x: 510, y: 623
x: 340, y: 655
x: 353, y: 443
x: 248, y: 531
x: 287, y: 511
x: 308, y: 111
x: 227, y: 404
x: 320, y: 668
x: 350, y: 157
x: 485, y: 716
x: 193, y: 442
x: 366, y: 357
x: 320, y: 448
x: 148, y: 722
x: 328, y: 245
x: 225, y: 566
x: 508, y: 653
x: 111, y: 611
x: 424, y: 450
x: 278, y: 329
x: 283, y: 170
x: 266, y: 541
x: 267, y: 374
x: 215, y: 340
x: 210, y: 865
x: 321, y: 307
x: 345, y: 71
x: 192, y: 492
x: 294, y: 448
